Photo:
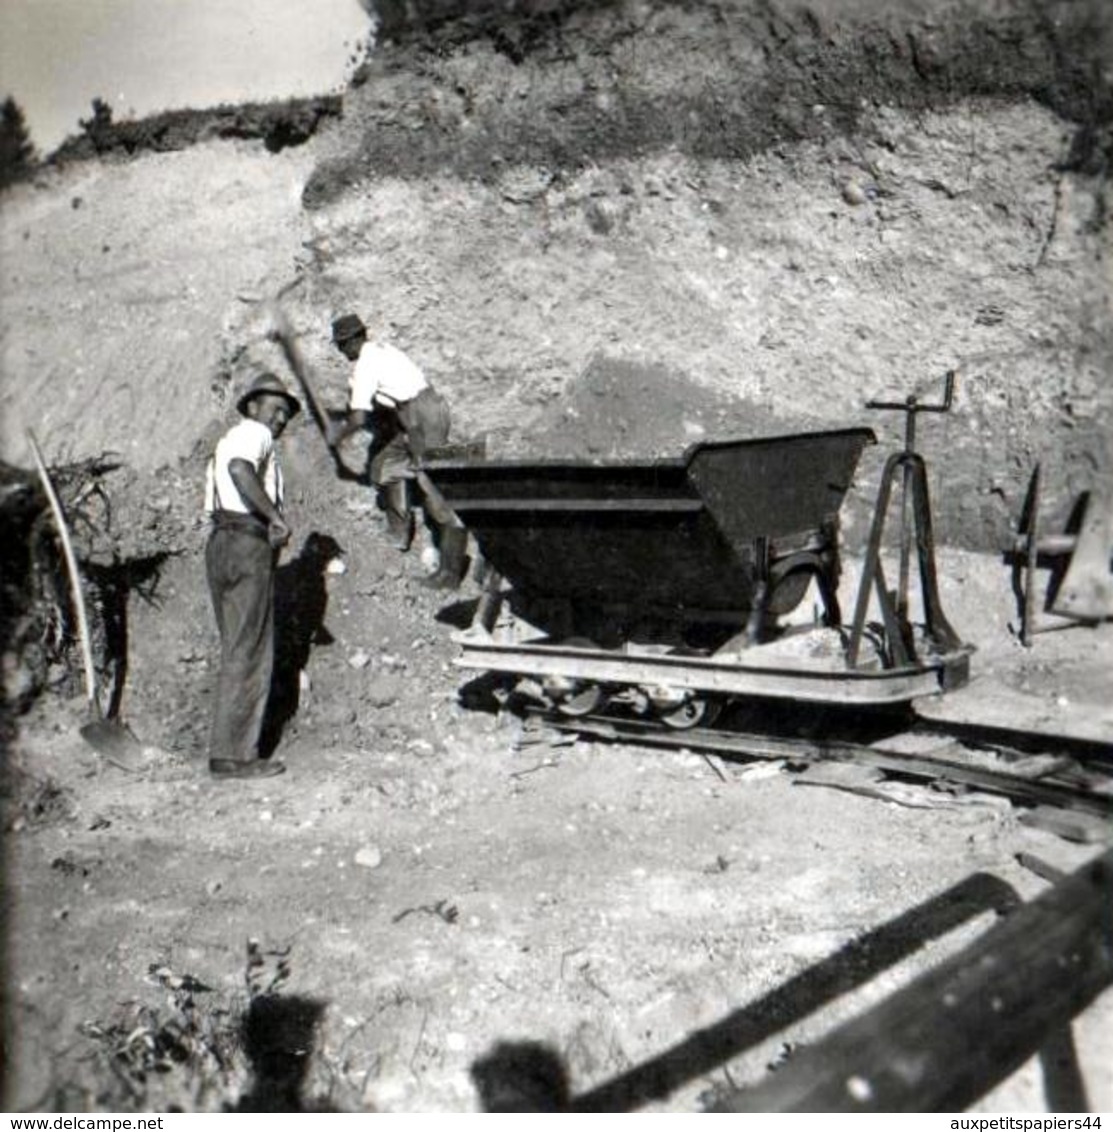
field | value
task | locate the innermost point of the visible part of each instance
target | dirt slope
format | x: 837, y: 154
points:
x: 118, y: 280
x: 786, y: 204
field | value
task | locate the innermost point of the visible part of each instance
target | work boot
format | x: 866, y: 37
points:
x: 399, y: 517
x: 255, y: 768
x: 450, y: 573
x: 400, y: 530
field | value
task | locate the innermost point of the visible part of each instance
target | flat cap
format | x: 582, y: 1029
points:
x: 347, y: 326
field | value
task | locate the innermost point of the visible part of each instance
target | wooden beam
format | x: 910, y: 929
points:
x: 952, y: 1034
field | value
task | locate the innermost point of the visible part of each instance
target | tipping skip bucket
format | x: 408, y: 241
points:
x: 686, y: 534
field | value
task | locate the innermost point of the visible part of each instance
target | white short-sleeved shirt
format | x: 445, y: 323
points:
x: 383, y: 375
x: 251, y: 441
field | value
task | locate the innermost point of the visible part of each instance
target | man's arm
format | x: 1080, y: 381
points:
x: 353, y: 421
x: 247, y: 482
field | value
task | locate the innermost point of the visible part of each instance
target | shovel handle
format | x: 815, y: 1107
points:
x: 74, y: 574
x: 283, y: 334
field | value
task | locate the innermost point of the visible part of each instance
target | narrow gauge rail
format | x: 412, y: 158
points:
x: 636, y: 601
x: 1086, y: 786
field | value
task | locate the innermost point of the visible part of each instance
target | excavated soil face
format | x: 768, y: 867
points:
x: 604, y: 232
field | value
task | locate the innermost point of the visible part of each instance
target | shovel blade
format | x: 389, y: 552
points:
x: 115, y: 741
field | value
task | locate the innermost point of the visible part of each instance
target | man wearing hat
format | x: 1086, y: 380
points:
x: 243, y: 499
x: 389, y: 393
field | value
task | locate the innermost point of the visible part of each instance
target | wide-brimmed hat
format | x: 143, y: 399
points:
x: 348, y: 326
x: 267, y: 383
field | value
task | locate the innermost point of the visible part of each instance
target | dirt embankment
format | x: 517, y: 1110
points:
x: 471, y: 87
x: 799, y: 206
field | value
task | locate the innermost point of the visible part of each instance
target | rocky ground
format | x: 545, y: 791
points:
x: 438, y: 883
x: 434, y: 881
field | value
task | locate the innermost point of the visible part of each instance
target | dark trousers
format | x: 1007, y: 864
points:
x: 240, y: 566
x: 404, y: 437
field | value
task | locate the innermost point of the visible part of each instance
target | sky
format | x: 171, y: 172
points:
x: 143, y: 56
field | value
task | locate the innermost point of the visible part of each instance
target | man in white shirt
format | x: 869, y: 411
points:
x: 243, y: 500
x: 388, y: 393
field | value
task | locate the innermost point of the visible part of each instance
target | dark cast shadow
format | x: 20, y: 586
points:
x: 521, y: 1077
x: 508, y: 1076
x: 278, y: 1037
x: 111, y: 588
x: 459, y: 613
x: 300, y: 603
x: 850, y: 967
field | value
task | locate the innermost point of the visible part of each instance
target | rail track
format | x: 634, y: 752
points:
x: 1030, y: 768
x: 644, y: 603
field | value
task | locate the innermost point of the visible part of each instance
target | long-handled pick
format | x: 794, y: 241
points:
x: 283, y: 333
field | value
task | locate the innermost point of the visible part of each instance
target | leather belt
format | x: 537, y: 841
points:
x: 239, y: 521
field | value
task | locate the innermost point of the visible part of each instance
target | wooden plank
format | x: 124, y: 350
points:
x: 1087, y: 829
x: 1040, y: 867
x: 1086, y: 592
x: 955, y: 1032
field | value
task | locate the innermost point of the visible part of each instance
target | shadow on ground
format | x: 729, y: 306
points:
x: 529, y: 1077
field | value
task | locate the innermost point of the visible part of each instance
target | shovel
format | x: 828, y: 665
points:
x: 283, y: 333
x: 109, y: 737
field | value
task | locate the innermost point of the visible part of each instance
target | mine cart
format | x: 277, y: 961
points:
x: 661, y: 582
x: 684, y: 539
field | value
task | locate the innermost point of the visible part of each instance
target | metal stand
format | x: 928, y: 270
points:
x: 916, y: 523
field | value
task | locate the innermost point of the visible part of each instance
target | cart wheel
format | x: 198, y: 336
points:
x: 574, y: 697
x: 583, y: 701
x: 691, y: 713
